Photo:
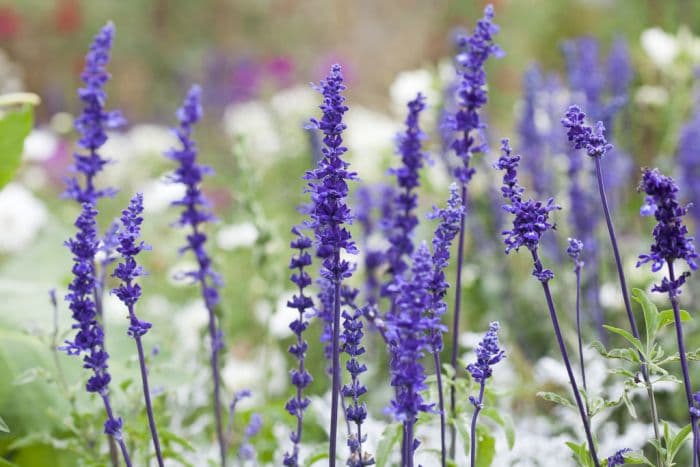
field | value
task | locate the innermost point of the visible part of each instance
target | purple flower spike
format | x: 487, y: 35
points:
x: 583, y: 136
x: 618, y: 459
x: 688, y: 144
x: 302, y: 303
x: 247, y: 452
x: 328, y: 185
x: 195, y: 212
x: 488, y: 353
x: 405, y: 221
x: 128, y: 292
x: 94, y: 121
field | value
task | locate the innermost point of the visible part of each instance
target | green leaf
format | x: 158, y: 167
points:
x: 504, y: 422
x: 580, y: 454
x: 556, y: 398
x: 627, y: 336
x: 315, y: 458
x: 5, y: 463
x: 3, y: 426
x: 14, y: 128
x: 674, y: 445
x: 651, y: 315
x: 637, y: 458
x: 485, y: 447
x: 390, y: 437
x: 666, y: 317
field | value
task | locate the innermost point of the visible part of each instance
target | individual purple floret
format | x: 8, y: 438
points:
x: 488, y: 353
x: 530, y: 221
x: 356, y: 412
x: 89, y: 339
x: 247, y: 452
x: 408, y: 333
x: 618, y: 458
x: 330, y: 215
x: 689, y: 162
x: 300, y: 377
x: 94, y: 121
x: 128, y: 292
x: 671, y: 243
x: 195, y: 212
x: 409, y: 147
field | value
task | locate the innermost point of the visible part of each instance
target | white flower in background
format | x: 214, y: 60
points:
x: 151, y: 140
x: 189, y: 322
x: 610, y: 295
x: 369, y: 137
x: 409, y: 83
x: 22, y: 215
x: 265, y: 371
x: 113, y: 310
x: 159, y: 194
x: 40, y: 145
x: 661, y: 47
x: 252, y: 122
x: 550, y: 369
x: 651, y: 95
x: 295, y: 104
x: 232, y: 236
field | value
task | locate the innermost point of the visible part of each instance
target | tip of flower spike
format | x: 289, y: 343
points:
x: 489, y: 11
x: 191, y: 110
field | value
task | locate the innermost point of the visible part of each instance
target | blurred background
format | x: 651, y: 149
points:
x: 254, y: 60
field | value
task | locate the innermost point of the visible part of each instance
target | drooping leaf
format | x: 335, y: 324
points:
x: 556, y: 398
x: 15, y: 125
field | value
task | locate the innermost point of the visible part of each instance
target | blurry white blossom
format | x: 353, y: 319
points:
x: 253, y: 122
x: 660, y: 46
x: 409, y: 83
x: 369, y: 138
x: 159, y: 194
x: 232, y: 236
x: 22, y: 215
x: 40, y: 145
x: 651, y: 95
x: 295, y: 103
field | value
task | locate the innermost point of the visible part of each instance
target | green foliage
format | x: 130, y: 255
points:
x: 15, y: 125
x: 485, y: 447
x: 391, y: 437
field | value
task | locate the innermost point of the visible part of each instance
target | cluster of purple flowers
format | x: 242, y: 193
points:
x: 488, y: 353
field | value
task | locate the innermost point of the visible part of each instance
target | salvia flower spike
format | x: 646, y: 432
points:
x: 671, y: 243
x: 472, y: 95
x: 330, y: 215
x: 530, y: 221
x: 89, y: 338
x: 300, y: 377
x: 195, y: 213
x: 488, y: 353
x: 128, y: 292
x: 592, y: 139
x: 94, y: 122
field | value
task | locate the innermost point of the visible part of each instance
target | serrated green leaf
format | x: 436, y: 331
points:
x: 556, y: 398
x: 15, y: 125
x: 485, y: 447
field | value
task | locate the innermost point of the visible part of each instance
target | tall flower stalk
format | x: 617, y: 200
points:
x: 471, y: 97
x: 530, y: 222
x: 329, y: 215
x: 593, y: 141
x: 194, y: 214
x: 129, y: 292
x: 488, y: 353
x: 671, y: 243
x: 574, y: 251
x: 300, y: 377
x: 445, y: 233
x: 89, y: 339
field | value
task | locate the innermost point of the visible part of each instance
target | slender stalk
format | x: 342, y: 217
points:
x: 214, y: 362
x: 441, y: 404
x: 625, y: 295
x: 335, y: 392
x: 684, y: 362
x: 455, y: 322
x: 478, y: 406
x: 120, y: 440
x: 567, y: 363
x: 147, y: 393
x: 409, y: 443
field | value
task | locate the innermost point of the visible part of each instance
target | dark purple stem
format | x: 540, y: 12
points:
x: 147, y: 392
x: 625, y: 295
x: 684, y: 361
x: 119, y: 440
x: 567, y: 363
x: 441, y: 404
x: 455, y: 322
x: 478, y: 406
x: 409, y: 443
x: 335, y: 392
